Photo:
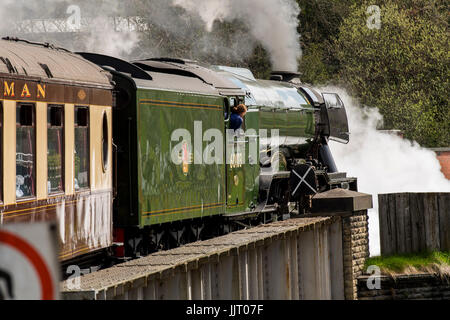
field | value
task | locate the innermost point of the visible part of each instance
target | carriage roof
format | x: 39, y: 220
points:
x: 21, y: 58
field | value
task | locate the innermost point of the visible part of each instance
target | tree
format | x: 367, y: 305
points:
x: 319, y: 24
x: 402, y: 68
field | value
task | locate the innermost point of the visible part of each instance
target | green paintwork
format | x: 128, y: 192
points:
x: 298, y: 124
x: 163, y: 191
x: 291, y: 123
x: 236, y: 168
x: 166, y: 193
x: 235, y: 176
x: 252, y: 170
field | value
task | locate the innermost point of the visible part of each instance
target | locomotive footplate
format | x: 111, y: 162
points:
x: 251, y: 214
x: 338, y: 180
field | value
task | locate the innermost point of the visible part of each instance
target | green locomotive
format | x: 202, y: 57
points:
x: 182, y: 175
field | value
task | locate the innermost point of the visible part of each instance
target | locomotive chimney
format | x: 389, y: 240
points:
x: 285, y: 76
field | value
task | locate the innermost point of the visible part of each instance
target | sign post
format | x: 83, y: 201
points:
x: 29, y: 268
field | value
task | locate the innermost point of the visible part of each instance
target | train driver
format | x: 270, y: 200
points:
x: 237, y: 116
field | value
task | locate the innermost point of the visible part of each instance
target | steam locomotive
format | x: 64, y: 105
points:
x: 133, y: 157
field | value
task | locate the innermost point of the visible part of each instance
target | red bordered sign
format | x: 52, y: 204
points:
x: 28, y: 263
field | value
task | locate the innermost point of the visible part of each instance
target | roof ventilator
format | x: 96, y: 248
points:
x: 46, y: 69
x: 9, y: 65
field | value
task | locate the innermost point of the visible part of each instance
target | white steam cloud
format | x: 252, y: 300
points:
x: 103, y: 38
x: 382, y: 162
x: 272, y: 22
x: 90, y: 26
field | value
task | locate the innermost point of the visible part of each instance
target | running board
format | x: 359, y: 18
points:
x: 243, y: 215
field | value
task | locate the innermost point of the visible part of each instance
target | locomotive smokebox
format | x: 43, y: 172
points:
x: 285, y: 76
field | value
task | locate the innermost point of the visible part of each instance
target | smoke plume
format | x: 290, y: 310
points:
x: 77, y: 26
x: 271, y: 22
x: 382, y: 162
x: 177, y: 28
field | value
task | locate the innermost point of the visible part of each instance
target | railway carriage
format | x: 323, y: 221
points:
x: 56, y: 144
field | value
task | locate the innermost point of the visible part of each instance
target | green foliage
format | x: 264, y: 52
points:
x: 259, y: 63
x: 418, y: 261
x: 320, y: 21
x: 312, y: 67
x: 402, y: 68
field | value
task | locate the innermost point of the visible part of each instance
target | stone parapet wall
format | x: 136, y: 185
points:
x: 405, y: 287
x: 352, y: 208
x: 355, y: 240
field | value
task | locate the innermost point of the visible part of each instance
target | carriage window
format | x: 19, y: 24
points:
x: 105, y: 142
x: 25, y: 151
x: 55, y: 144
x: 81, y: 148
x: 1, y: 150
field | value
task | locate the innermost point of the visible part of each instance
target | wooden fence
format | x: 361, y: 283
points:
x: 414, y: 222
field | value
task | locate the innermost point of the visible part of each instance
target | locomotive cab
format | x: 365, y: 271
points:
x: 332, y: 124
x: 334, y: 118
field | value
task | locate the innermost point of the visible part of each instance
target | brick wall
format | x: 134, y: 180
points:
x: 355, y: 239
x: 443, y: 155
